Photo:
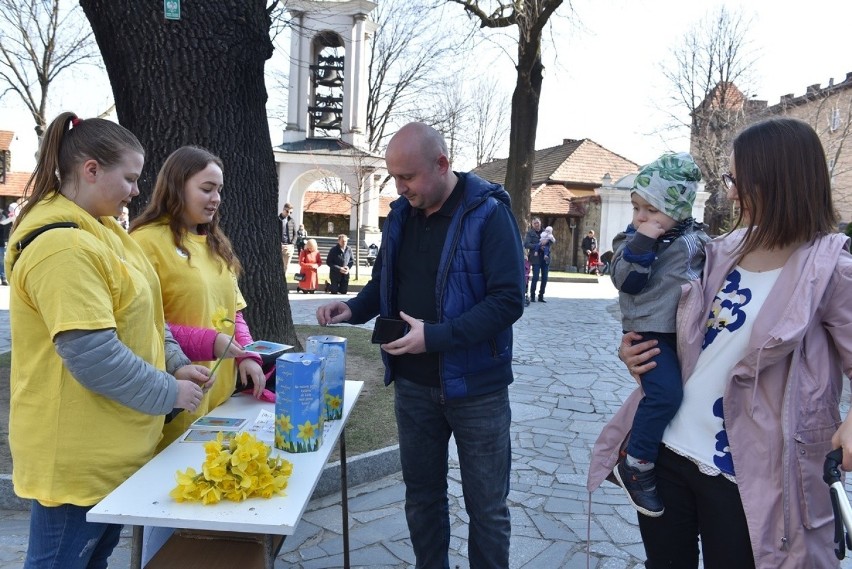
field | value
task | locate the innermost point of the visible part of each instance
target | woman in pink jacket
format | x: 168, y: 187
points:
x: 763, y: 339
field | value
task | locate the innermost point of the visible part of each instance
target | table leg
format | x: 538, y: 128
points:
x: 136, y: 548
x: 344, y: 498
x: 272, y: 546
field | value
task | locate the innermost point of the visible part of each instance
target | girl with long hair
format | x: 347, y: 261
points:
x: 179, y: 231
x: 88, y: 386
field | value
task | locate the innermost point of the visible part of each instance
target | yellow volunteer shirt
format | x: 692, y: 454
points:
x: 192, y: 291
x: 70, y: 445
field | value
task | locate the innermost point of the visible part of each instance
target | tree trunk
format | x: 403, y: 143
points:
x: 199, y: 80
x: 524, y: 124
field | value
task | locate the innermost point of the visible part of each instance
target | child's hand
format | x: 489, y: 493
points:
x: 650, y: 229
x: 223, y: 347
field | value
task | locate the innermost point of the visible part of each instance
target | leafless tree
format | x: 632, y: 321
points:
x: 473, y: 119
x: 409, y: 50
x: 709, y: 75
x: 449, y: 114
x: 40, y: 39
x: 490, y: 121
x: 530, y: 17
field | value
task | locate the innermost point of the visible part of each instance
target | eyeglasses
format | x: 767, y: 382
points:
x: 729, y: 180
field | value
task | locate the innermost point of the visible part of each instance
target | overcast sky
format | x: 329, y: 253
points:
x: 602, y: 78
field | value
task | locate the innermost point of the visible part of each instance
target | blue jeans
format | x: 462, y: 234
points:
x: 480, y: 426
x: 663, y: 389
x: 542, y: 268
x: 61, y: 538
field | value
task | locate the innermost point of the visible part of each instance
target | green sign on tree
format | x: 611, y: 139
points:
x: 172, y: 9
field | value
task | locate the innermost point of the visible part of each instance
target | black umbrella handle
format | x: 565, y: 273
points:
x: 831, y: 466
x: 839, y: 502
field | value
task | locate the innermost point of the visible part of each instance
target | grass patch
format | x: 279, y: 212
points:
x: 372, y: 424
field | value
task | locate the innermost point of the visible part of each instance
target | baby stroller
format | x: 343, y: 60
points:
x: 527, y: 268
x: 594, y: 265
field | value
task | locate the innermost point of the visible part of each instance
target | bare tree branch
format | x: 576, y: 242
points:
x: 530, y: 17
x: 407, y: 55
x: 39, y: 40
x: 709, y: 78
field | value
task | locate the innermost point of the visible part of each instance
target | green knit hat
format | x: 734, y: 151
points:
x: 669, y: 183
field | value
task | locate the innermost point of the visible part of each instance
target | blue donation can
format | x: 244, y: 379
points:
x: 299, y: 413
x: 333, y: 349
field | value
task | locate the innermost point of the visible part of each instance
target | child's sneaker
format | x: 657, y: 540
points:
x: 641, y: 489
x: 526, y: 300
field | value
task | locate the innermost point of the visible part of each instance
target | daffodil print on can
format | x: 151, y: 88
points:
x: 333, y: 349
x: 299, y: 407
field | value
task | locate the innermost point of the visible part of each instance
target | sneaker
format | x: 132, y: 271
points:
x: 641, y: 489
x: 526, y: 301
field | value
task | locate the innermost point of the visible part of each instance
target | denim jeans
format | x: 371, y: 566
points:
x: 696, y: 505
x: 663, y: 389
x: 61, y: 538
x: 480, y: 426
x: 536, y: 269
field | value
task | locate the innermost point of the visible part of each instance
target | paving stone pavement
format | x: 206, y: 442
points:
x: 568, y: 381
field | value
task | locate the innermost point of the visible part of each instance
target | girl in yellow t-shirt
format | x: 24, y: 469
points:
x: 179, y: 232
x: 88, y: 390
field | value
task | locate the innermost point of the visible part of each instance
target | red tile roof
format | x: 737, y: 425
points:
x: 6, y: 137
x: 15, y: 183
x: 556, y: 199
x: 574, y: 162
x: 334, y: 203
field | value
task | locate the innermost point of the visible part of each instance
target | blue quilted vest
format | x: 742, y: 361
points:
x: 480, y: 368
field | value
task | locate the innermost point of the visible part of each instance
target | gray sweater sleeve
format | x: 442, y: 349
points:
x: 103, y: 364
x: 175, y: 358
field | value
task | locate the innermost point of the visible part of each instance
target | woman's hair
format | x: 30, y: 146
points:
x: 783, y: 184
x: 311, y: 245
x: 168, y: 203
x: 68, y: 142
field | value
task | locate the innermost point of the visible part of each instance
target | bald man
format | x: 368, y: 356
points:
x: 451, y: 266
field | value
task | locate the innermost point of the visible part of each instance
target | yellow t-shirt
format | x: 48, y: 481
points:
x: 70, y: 445
x: 192, y: 291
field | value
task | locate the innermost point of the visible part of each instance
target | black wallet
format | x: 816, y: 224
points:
x: 387, y: 330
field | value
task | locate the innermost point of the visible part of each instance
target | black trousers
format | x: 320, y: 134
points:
x: 339, y: 282
x: 696, y: 505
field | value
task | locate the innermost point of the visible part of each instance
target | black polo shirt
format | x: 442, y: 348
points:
x: 420, y: 252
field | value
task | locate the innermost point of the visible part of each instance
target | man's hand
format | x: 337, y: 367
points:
x: 197, y: 374
x: 412, y: 343
x: 333, y: 313
x: 344, y: 270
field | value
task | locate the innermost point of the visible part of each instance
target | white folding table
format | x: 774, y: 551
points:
x: 143, y: 499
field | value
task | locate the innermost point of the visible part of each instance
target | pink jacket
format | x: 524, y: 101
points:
x: 781, y: 402
x: 197, y: 343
